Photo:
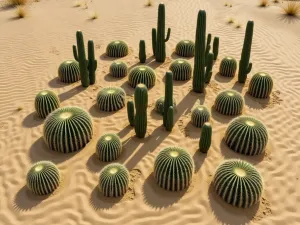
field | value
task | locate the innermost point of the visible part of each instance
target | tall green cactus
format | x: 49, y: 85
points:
x: 208, y: 71
x: 216, y: 47
x: 170, y: 119
x: 141, y: 103
x: 142, y: 52
x: 245, y: 66
x: 153, y: 40
x: 207, y: 48
x: 130, y: 112
x: 205, y: 139
x: 168, y: 95
x: 92, y: 64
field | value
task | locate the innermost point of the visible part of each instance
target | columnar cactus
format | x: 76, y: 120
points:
x: 181, y: 69
x: 111, y: 99
x: 205, y: 138
x: 142, y: 52
x: 200, y: 115
x: 130, y: 112
x: 246, y: 135
x: 238, y: 183
x: 92, y: 63
x: 245, y: 66
x: 43, y: 178
x: 160, y: 104
x: 114, y: 180
x: 170, y: 119
x: 208, y: 71
x: 207, y: 48
x: 117, y: 49
x: 68, y: 129
x: 229, y: 102
x: 118, y: 69
x: 261, y: 85
x: 141, y: 103
x: 228, y: 67
x: 153, y: 40
x: 216, y: 48
x: 45, y: 103
x: 185, y: 48
x: 142, y: 74
x: 109, y: 147
x: 168, y: 96
x: 173, y: 169
x: 69, y: 72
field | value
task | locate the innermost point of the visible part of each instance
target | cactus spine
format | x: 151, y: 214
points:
x: 142, y: 53
x: 141, y: 103
x: 245, y: 66
x: 168, y: 95
x: 92, y: 63
x: 170, y: 119
x: 205, y: 138
x: 216, y: 48
x: 130, y: 112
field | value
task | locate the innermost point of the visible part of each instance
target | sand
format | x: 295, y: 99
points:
x: 31, y: 50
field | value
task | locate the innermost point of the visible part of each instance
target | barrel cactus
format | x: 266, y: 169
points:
x: 200, y: 115
x: 118, y: 69
x: 205, y: 138
x: 114, y: 180
x: 43, y: 178
x: 117, y: 49
x: 185, y: 48
x: 228, y: 67
x: 229, y: 102
x: 69, y: 72
x: 46, y: 102
x: 68, y: 129
x: 246, y: 135
x: 238, y: 183
x: 261, y: 85
x: 182, y: 69
x: 159, y: 105
x: 173, y: 169
x: 109, y: 147
x: 111, y: 99
x: 142, y: 74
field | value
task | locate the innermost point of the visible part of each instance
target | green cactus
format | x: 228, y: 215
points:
x: 109, y: 147
x: 170, y: 119
x: 173, y: 169
x: 208, y: 71
x: 168, y: 96
x: 228, y: 67
x: 200, y: 115
x: 114, y: 180
x: 153, y: 40
x: 142, y: 52
x: 117, y: 49
x: 245, y: 66
x: 238, y: 183
x: 261, y: 85
x: 229, y: 103
x: 118, y: 69
x: 69, y: 71
x: 216, y: 47
x: 92, y: 64
x: 43, y: 178
x: 160, y: 104
x: 68, y: 129
x: 46, y: 102
x: 205, y: 138
x: 141, y: 104
x: 142, y: 74
x: 207, y: 48
x: 246, y: 135
x: 111, y: 99
x: 130, y: 112
x: 185, y: 48
x: 181, y: 69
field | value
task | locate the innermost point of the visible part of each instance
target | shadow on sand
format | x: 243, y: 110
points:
x: 70, y: 93
x: 99, y: 202
x: 32, y: 120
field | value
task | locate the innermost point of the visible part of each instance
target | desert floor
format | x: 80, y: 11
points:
x: 31, y: 50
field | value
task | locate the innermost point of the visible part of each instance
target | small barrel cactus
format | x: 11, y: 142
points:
x: 109, y: 147
x: 246, y: 135
x: 229, y: 102
x: 118, y: 69
x: 45, y: 103
x: 117, y: 49
x: 69, y: 72
x: 200, y: 115
x: 114, y: 180
x: 142, y: 74
x: 68, y: 129
x: 261, y: 85
x: 185, y: 48
x: 238, y: 183
x: 43, y: 178
x: 173, y: 169
x: 205, y: 138
x: 159, y: 105
x: 228, y: 67
x: 111, y: 99
x: 182, y: 69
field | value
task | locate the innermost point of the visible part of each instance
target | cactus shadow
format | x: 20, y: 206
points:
x: 56, y: 83
x: 192, y: 131
x: 153, y: 64
x: 125, y: 131
x: 127, y: 88
x: 220, y: 117
x: 255, y: 103
x: 94, y: 164
x: 155, y: 115
x: 32, y: 120
x: 6, y: 6
x: 238, y: 86
x: 104, y: 57
x: 288, y: 19
x: 199, y: 159
x: 96, y: 112
x: 70, y: 93
x: 109, y: 78
x: 174, y: 56
x: 176, y: 82
x: 99, y: 202
x: 222, y: 79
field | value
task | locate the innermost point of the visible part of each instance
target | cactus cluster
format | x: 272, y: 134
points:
x: 46, y: 102
x: 173, y: 169
x: 200, y: 115
x: 160, y: 104
x: 109, y: 147
x: 68, y: 129
x: 238, y: 183
x: 261, y: 85
x: 117, y: 49
x: 229, y: 103
x: 205, y: 138
x: 246, y: 135
x: 141, y: 104
x: 111, y: 99
x: 114, y: 180
x: 69, y: 72
x: 181, y: 69
x: 228, y: 67
x: 185, y: 48
x: 43, y: 178
x: 142, y: 74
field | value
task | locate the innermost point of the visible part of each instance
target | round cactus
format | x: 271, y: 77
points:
x: 200, y: 115
x: 182, y: 69
x: 69, y: 72
x: 261, y: 85
x: 229, y: 102
x: 173, y: 169
x: 111, y: 99
x: 118, y: 69
x: 228, y: 67
x: 246, y: 135
x: 114, y: 180
x: 46, y: 102
x: 185, y: 48
x: 117, y: 49
x: 142, y: 74
x: 159, y: 105
x: 238, y: 183
x: 109, y: 147
x: 43, y: 178
x: 68, y: 129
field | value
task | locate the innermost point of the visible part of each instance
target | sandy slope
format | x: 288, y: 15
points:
x: 30, y: 52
